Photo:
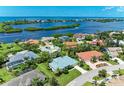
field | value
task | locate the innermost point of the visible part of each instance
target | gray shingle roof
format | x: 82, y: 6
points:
x: 19, y: 57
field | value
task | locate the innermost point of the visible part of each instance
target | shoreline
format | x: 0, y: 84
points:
x: 5, y: 28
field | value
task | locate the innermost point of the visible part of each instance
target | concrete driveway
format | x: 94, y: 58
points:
x: 80, y: 69
x: 119, y: 60
x: 24, y: 79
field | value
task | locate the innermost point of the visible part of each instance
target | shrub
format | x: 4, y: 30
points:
x: 65, y: 71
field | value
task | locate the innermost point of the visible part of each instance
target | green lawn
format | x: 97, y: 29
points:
x: 86, y: 67
x: 121, y: 71
x: 88, y: 84
x: 9, y: 48
x: 43, y: 68
x: 63, y: 79
x: 113, y: 62
x: 121, y: 56
x: 6, y: 75
x: 66, y: 78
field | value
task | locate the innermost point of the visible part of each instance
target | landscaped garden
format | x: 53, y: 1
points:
x: 121, y: 56
x: 119, y: 72
x: 102, y: 74
x: 113, y: 62
x: 84, y: 66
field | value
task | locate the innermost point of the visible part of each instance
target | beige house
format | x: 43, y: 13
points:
x: 114, y: 51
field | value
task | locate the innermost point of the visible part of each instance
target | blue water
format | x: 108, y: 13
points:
x: 85, y: 27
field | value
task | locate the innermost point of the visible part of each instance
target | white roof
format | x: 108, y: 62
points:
x: 50, y: 48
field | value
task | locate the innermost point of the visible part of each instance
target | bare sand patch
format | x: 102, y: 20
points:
x: 117, y: 81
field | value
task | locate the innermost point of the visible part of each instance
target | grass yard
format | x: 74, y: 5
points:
x: 121, y: 56
x: 88, y: 84
x: 5, y: 75
x: 66, y: 78
x: 63, y: 79
x: 113, y: 62
x: 44, y: 69
x: 121, y: 71
x: 9, y: 48
x: 86, y: 67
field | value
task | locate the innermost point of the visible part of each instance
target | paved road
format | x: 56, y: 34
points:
x: 89, y: 75
x: 24, y: 79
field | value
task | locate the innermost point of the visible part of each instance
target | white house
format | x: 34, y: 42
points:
x: 47, y: 39
x: 121, y: 42
x: 113, y: 51
x: 50, y: 48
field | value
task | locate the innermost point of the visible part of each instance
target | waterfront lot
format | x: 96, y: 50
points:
x: 61, y: 76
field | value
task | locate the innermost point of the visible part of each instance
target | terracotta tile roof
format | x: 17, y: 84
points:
x: 88, y: 55
x: 31, y: 41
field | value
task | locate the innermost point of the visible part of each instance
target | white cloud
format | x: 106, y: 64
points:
x: 108, y: 8
x: 116, y: 8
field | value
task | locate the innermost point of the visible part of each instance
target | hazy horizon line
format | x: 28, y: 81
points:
x: 65, y: 16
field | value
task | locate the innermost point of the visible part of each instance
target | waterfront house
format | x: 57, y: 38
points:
x: 32, y: 41
x: 47, y: 39
x: 70, y: 44
x: 113, y: 51
x: 62, y: 62
x: 50, y: 48
x: 64, y: 38
x: 88, y: 55
x: 19, y: 58
x: 79, y: 35
x: 120, y: 42
x: 113, y: 33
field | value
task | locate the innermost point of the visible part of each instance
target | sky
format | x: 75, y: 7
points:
x: 75, y: 11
